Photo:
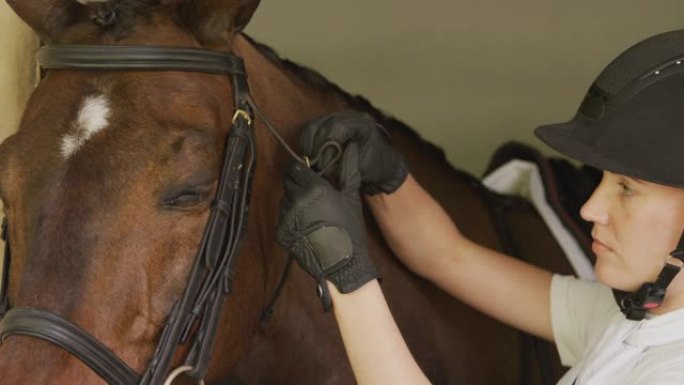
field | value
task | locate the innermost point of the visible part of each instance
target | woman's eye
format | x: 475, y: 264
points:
x: 626, y: 188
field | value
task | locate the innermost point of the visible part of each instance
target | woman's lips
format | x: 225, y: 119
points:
x: 599, y: 247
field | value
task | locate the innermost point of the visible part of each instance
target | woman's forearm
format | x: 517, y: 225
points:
x: 416, y: 227
x: 425, y: 239
x: 376, y: 349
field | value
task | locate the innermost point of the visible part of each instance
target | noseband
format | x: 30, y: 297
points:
x: 194, y: 318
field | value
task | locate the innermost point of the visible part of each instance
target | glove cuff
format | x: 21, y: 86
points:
x: 356, y: 273
x: 391, y: 184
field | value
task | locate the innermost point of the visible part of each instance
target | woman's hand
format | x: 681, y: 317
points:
x: 382, y: 168
x: 323, y: 228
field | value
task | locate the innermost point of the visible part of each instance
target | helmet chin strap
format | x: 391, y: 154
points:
x: 651, y: 294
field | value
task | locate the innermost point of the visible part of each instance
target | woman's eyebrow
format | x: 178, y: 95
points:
x: 635, y: 180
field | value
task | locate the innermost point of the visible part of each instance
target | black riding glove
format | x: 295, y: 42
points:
x: 323, y: 228
x: 382, y: 168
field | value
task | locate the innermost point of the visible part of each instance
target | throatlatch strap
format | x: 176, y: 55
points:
x: 651, y: 294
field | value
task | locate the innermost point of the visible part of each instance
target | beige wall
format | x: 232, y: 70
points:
x: 17, y: 44
x: 467, y: 74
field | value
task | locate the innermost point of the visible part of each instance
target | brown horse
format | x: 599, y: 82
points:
x: 107, y: 188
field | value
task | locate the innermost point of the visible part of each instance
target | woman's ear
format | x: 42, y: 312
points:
x: 215, y: 22
x: 48, y: 17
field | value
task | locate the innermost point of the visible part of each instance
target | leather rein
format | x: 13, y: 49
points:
x: 194, y: 318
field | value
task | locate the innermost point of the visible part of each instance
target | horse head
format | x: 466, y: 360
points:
x: 108, y: 185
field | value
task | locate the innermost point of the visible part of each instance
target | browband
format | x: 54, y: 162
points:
x: 128, y: 58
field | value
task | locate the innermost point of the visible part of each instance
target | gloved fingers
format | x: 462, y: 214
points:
x: 344, y: 127
x: 284, y: 236
x: 285, y: 226
x: 340, y: 127
x: 295, y: 190
x: 307, y: 134
x: 327, y: 161
x: 382, y: 131
x: 299, y: 179
x: 350, y: 176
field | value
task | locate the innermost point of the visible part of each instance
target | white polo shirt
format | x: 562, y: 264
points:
x: 604, y: 348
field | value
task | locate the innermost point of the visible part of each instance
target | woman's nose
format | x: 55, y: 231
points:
x: 595, y: 209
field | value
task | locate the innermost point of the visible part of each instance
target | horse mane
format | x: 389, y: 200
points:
x: 314, y: 79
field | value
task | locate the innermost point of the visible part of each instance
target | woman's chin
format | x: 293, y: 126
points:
x: 614, y: 278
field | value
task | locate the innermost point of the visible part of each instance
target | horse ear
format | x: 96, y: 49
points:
x: 215, y: 22
x: 47, y: 17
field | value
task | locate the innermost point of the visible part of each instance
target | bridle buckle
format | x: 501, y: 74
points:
x: 239, y: 113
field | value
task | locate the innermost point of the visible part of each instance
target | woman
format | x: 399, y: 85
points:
x: 621, y: 330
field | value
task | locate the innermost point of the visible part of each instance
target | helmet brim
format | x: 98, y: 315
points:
x: 563, y: 137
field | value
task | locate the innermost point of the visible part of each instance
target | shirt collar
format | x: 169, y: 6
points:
x: 658, y: 330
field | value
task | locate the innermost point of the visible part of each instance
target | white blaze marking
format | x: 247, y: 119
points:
x: 92, y: 117
x: 84, y: 2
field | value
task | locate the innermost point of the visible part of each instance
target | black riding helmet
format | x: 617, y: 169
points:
x: 631, y: 122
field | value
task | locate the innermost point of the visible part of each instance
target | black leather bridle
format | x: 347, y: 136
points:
x: 194, y: 318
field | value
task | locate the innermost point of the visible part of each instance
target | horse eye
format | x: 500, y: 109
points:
x: 186, y: 198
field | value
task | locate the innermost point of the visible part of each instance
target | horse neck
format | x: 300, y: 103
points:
x: 288, y: 103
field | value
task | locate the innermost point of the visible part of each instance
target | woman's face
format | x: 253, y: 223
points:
x: 636, y: 225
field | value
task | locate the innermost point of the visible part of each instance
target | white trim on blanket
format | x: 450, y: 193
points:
x: 522, y: 178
